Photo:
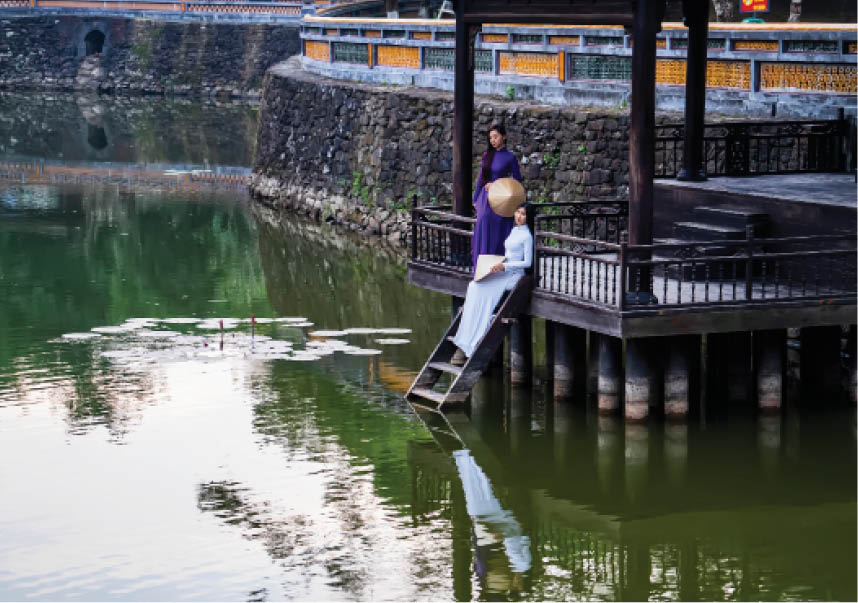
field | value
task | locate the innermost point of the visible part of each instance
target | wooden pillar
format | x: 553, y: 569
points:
x: 770, y: 360
x: 642, y: 127
x: 570, y: 348
x: 697, y: 19
x: 521, y: 350
x: 680, y: 371
x: 463, y: 115
x: 640, y: 391
x: 610, y: 368
x: 820, y: 365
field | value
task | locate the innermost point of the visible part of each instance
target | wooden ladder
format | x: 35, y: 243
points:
x: 465, y: 377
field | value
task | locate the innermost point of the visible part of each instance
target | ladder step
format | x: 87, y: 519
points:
x: 446, y: 367
x: 428, y: 394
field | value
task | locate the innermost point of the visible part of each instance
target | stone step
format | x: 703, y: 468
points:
x: 736, y: 217
x: 707, y: 231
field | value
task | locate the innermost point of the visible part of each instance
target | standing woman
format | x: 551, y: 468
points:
x: 491, y: 230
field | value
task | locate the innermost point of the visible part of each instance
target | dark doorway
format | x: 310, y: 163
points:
x: 94, y: 42
x: 96, y: 137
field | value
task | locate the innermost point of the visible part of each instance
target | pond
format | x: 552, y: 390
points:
x: 201, y: 399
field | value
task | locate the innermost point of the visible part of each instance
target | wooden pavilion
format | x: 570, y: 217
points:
x: 598, y: 270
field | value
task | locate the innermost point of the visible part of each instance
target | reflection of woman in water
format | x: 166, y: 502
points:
x: 491, y: 520
x: 484, y: 295
x: 491, y: 230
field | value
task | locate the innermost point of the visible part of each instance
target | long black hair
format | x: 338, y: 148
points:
x: 490, y: 153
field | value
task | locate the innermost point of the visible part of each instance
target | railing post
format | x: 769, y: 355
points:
x: 623, y: 275
x: 414, y: 227
x: 749, y: 262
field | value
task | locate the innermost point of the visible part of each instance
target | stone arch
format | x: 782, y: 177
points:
x: 94, y: 42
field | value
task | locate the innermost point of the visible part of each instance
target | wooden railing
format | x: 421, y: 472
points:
x: 581, y: 258
x: 758, y: 148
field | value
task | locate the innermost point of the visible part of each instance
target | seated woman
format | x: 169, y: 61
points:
x: 483, y: 296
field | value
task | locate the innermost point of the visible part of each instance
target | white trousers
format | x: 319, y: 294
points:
x: 480, y: 302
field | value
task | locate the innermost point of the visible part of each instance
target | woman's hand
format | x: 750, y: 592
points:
x: 488, y: 184
x: 498, y: 267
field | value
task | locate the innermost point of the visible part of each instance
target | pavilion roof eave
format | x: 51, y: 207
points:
x: 571, y: 12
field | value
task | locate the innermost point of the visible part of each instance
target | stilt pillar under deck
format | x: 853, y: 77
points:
x: 770, y: 361
x: 681, y: 368
x: 820, y: 364
x: 640, y: 387
x: 521, y: 350
x: 570, y: 348
x: 610, y: 371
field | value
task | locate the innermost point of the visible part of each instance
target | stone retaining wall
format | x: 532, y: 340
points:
x: 141, y: 55
x: 353, y: 153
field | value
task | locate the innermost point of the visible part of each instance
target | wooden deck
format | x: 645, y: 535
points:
x: 585, y: 278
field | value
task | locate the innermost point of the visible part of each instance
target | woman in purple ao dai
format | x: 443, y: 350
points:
x: 491, y: 230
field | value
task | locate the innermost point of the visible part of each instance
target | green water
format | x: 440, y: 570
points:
x: 170, y: 460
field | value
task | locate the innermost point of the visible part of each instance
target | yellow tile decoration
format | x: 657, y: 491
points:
x: 729, y: 74
x: 529, y: 63
x: 670, y: 71
x: 719, y: 74
x: 852, y: 47
x: 661, y: 42
x: 421, y: 35
x: 320, y: 51
x: 332, y: 32
x: 809, y: 77
x: 371, y: 33
x: 565, y: 40
x: 495, y: 38
x: 398, y: 56
x: 756, y: 45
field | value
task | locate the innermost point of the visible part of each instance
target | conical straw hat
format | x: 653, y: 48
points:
x: 505, y: 195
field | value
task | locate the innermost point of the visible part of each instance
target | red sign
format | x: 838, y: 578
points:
x: 754, y: 6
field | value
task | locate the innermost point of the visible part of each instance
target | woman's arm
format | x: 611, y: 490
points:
x: 528, y: 255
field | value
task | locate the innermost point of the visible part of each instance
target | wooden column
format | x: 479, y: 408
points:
x: 463, y: 116
x: 697, y: 19
x: 570, y: 348
x: 521, y: 350
x: 642, y: 128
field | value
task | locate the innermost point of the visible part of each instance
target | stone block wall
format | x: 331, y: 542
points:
x: 354, y: 153
x: 142, y: 56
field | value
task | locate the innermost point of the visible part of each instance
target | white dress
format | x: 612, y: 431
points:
x: 483, y: 296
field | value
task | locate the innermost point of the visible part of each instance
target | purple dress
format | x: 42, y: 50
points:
x: 491, y: 230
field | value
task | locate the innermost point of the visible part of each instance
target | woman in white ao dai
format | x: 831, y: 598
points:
x: 483, y: 296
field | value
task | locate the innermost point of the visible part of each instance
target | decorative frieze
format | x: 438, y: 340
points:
x: 809, y: 77
x: 604, y: 41
x: 719, y: 74
x: 756, y: 45
x: 810, y: 46
x: 601, y: 67
x: 421, y: 35
x: 440, y: 58
x: 528, y: 63
x: 398, y: 56
x: 371, y: 33
x: 527, y: 39
x: 495, y: 38
x: 565, y: 40
x: 319, y: 51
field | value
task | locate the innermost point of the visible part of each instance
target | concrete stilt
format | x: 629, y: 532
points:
x: 561, y: 427
x: 639, y: 382
x: 520, y: 413
x: 770, y: 360
x: 521, y: 351
x: 592, y: 364
x: 570, y: 347
x: 683, y: 360
x: 820, y: 364
x: 550, y: 328
x: 610, y: 350
x: 769, y: 442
